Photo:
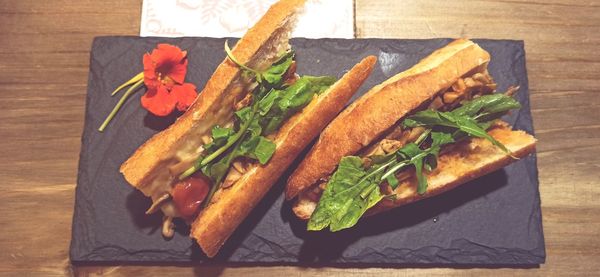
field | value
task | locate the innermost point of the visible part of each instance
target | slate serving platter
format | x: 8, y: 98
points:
x: 492, y: 221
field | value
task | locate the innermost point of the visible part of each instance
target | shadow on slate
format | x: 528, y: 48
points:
x: 494, y: 221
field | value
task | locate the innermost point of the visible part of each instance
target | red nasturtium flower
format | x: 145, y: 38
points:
x: 164, y: 74
x: 165, y: 66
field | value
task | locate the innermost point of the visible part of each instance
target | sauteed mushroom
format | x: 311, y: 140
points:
x: 158, y: 203
x: 168, y: 228
x: 235, y: 173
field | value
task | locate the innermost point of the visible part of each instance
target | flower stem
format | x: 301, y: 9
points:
x: 135, y: 79
x: 114, y: 111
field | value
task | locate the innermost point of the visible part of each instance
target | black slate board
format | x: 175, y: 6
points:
x: 492, y: 221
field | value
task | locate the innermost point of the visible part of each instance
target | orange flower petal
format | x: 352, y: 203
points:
x: 178, y: 71
x: 159, y: 101
x: 185, y: 94
x: 150, y: 78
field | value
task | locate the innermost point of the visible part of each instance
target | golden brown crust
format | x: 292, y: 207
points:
x: 230, y: 206
x: 148, y: 169
x: 467, y: 161
x: 139, y: 168
x: 380, y: 108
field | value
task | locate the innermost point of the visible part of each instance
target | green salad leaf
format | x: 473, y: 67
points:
x: 412, y: 154
x: 273, y: 76
x: 488, y: 105
x: 278, y: 105
x: 469, y: 118
x: 257, y: 148
x: 220, y: 136
x: 342, y: 203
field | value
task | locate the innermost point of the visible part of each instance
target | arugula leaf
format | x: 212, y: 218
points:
x: 413, y: 155
x: 258, y: 148
x: 267, y: 102
x: 279, y: 105
x: 270, y: 77
x: 349, y: 193
x: 497, y: 103
x: 297, y: 95
x: 472, y: 128
x: 429, y: 160
x: 273, y: 76
x: 220, y: 136
x: 219, y: 132
x: 343, y: 185
x: 483, y: 107
x: 426, y: 118
x: 217, y: 170
x: 247, y: 115
x: 319, y: 83
x: 353, y: 210
x: 421, y: 180
x: 439, y: 138
x: 462, y: 120
x: 303, y: 90
x: 392, y: 181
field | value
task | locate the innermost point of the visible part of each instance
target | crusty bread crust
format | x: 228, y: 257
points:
x: 139, y: 169
x: 230, y: 206
x: 380, y: 108
x: 148, y: 168
x: 467, y: 161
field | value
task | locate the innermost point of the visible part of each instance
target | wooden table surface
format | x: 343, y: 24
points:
x: 43, y: 76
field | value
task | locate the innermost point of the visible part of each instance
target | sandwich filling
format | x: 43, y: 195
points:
x: 466, y: 109
x: 230, y: 148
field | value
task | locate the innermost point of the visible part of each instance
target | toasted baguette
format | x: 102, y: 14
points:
x: 150, y: 168
x: 382, y: 106
x: 230, y: 206
x: 468, y: 160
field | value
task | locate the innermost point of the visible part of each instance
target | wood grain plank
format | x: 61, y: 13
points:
x: 39, y: 244
x: 43, y: 76
x: 22, y: 45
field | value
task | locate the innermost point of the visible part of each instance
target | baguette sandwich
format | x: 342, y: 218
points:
x: 418, y: 134
x: 253, y: 117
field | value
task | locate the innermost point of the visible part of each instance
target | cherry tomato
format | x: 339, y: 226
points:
x: 189, y: 193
